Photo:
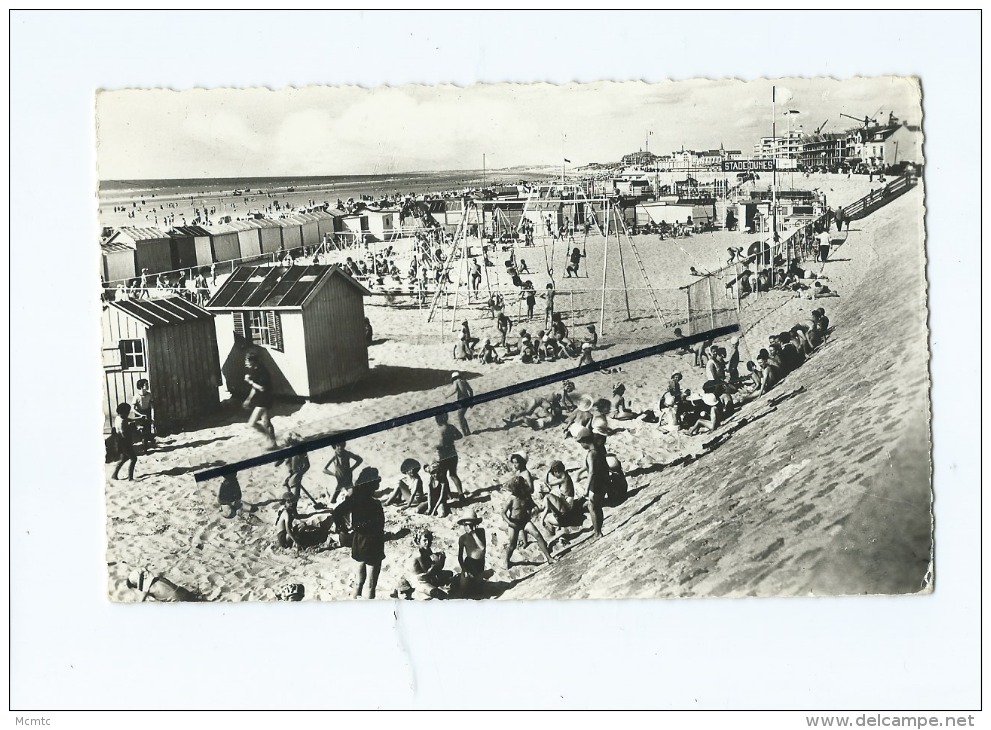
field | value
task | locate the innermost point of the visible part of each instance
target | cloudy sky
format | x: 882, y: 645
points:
x: 352, y: 130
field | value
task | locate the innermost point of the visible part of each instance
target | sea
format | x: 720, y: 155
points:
x: 334, y: 186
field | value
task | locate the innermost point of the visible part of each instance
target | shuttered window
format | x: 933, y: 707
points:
x: 274, y: 322
x: 240, y: 329
x: 263, y: 327
x: 112, y: 358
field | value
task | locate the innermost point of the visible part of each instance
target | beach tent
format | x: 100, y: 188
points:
x: 270, y: 235
x: 248, y: 238
x: 306, y: 322
x: 118, y: 261
x: 224, y: 243
x: 292, y: 232
x: 172, y: 343
x: 152, y: 248
x: 669, y: 214
x: 311, y: 228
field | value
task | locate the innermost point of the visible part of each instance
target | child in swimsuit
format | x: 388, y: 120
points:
x: 341, y: 466
x: 519, y: 516
x: 560, y: 498
x: 471, y: 552
x: 286, y: 535
x: 410, y: 486
x: 518, y: 459
x: 619, y: 407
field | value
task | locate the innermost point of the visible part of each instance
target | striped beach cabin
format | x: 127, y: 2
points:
x: 224, y: 242
x: 131, y: 249
x: 170, y: 342
x: 306, y: 322
x: 191, y: 246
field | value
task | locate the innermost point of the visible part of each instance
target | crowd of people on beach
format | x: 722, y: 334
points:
x: 543, y: 507
x: 545, y: 504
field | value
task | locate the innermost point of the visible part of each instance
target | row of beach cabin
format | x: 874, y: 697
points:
x: 128, y: 251
x: 306, y: 322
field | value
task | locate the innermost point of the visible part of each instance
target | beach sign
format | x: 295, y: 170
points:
x: 760, y: 165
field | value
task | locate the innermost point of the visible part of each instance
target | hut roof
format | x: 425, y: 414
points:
x: 112, y: 245
x: 218, y: 229
x: 189, y: 231
x: 273, y: 287
x: 168, y: 311
x: 139, y: 234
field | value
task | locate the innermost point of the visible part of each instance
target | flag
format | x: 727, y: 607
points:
x: 567, y: 160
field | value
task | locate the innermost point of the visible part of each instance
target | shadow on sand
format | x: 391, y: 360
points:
x: 384, y: 380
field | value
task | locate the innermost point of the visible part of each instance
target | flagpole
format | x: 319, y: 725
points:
x: 774, y: 167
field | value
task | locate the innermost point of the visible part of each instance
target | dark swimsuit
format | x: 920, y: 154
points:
x: 473, y: 566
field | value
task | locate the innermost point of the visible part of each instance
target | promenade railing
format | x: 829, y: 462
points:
x: 718, y: 297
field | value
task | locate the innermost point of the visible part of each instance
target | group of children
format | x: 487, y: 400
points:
x: 725, y: 387
x: 552, y: 344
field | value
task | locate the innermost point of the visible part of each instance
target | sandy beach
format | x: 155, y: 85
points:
x: 726, y: 523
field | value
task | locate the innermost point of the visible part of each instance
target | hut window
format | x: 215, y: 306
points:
x: 132, y: 354
x: 265, y: 328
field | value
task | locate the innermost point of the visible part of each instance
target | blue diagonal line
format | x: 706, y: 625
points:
x: 322, y: 442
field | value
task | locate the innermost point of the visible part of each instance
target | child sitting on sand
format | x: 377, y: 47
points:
x: 560, y: 500
x: 286, y: 532
x: 409, y: 489
x: 341, y: 466
x: 471, y: 553
x: 438, y: 493
x: 229, y: 496
x: 586, y: 357
x: 427, y: 567
x: 619, y: 408
x: 519, y: 516
x: 488, y: 354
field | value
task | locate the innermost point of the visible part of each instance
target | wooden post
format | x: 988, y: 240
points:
x: 446, y: 270
x: 622, y: 267
x: 736, y: 267
x: 605, y: 260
